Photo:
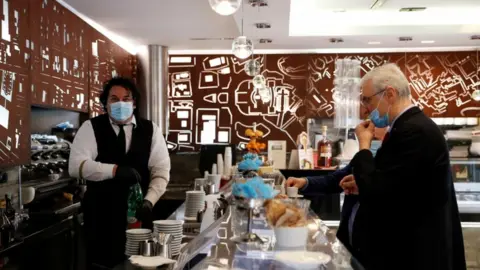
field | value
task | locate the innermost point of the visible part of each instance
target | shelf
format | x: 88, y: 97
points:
x: 472, y: 207
x: 464, y: 161
x: 466, y: 187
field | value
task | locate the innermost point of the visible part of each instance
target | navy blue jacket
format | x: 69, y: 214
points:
x: 330, y: 184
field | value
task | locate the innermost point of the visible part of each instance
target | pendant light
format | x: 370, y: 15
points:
x: 225, y: 7
x: 252, y: 67
x: 265, y: 93
x: 259, y: 81
x: 242, y: 47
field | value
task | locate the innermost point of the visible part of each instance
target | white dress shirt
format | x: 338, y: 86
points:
x: 84, y: 148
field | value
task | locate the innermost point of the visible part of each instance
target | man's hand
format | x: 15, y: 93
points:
x: 365, y: 132
x: 296, y: 182
x: 127, y: 175
x: 349, y: 185
x: 145, y: 215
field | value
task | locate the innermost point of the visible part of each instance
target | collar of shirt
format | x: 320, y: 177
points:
x: 404, y: 110
x: 132, y: 122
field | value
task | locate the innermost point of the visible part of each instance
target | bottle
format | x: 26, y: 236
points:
x: 9, y: 210
x: 324, y: 150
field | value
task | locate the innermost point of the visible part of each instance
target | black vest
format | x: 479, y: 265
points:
x: 138, y: 154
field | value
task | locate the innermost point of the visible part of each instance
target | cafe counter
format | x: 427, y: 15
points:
x: 214, y: 248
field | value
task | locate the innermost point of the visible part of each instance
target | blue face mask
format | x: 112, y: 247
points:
x: 121, y: 111
x: 377, y: 120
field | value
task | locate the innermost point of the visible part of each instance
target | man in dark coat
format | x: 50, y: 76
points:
x: 407, y: 215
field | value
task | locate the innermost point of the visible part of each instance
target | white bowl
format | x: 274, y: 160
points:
x: 291, y: 236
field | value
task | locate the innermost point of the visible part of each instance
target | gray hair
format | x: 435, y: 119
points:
x: 388, y: 75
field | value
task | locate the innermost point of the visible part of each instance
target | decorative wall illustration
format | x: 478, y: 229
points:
x: 46, y: 53
x: 14, y: 94
x: 212, y: 100
x: 59, y: 44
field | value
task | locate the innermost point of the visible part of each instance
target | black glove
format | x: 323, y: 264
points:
x: 145, y: 214
x: 127, y: 175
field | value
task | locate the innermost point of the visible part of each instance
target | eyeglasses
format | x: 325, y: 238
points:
x: 366, y: 100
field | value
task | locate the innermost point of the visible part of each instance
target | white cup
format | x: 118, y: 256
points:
x: 291, y: 236
x: 28, y: 194
x: 215, y: 178
x: 292, y: 191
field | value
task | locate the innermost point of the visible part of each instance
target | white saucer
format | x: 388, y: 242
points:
x: 168, y: 222
x: 296, y: 196
x: 138, y: 231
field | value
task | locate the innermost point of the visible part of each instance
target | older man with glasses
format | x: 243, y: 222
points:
x: 407, y: 215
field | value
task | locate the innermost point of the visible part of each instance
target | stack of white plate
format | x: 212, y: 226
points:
x: 194, y: 202
x: 173, y: 227
x: 134, y: 238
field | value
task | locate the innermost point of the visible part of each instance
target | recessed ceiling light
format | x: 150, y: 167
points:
x: 405, y: 38
x: 265, y: 41
x: 263, y: 25
x: 412, y: 9
x: 428, y: 41
x: 258, y: 3
x: 475, y: 37
x: 336, y: 40
x: 374, y: 42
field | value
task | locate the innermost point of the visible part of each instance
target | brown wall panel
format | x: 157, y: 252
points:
x: 14, y: 81
x: 212, y: 93
x: 106, y: 60
x: 59, y: 76
x: 44, y: 60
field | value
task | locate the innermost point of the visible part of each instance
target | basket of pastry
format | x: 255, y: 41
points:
x: 289, y: 221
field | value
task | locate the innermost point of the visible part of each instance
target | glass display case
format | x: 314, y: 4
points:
x: 214, y: 248
x: 466, y: 177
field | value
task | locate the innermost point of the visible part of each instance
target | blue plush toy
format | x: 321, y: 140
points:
x: 254, y: 189
x: 251, y: 162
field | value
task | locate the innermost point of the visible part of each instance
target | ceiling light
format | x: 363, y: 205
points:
x: 225, y: 7
x: 242, y: 47
x: 475, y: 37
x: 258, y: 3
x: 428, y: 41
x: 412, y: 9
x: 263, y: 25
x: 374, y: 42
x: 252, y: 67
x: 336, y: 40
x: 265, y: 41
x: 405, y: 38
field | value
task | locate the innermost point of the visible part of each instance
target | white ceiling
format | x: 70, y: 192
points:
x: 299, y: 25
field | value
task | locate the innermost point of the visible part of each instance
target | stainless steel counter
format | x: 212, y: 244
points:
x: 214, y: 249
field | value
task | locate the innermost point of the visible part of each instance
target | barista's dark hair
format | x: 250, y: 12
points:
x: 124, y: 82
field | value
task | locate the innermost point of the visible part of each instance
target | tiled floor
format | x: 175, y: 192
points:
x: 471, y: 238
